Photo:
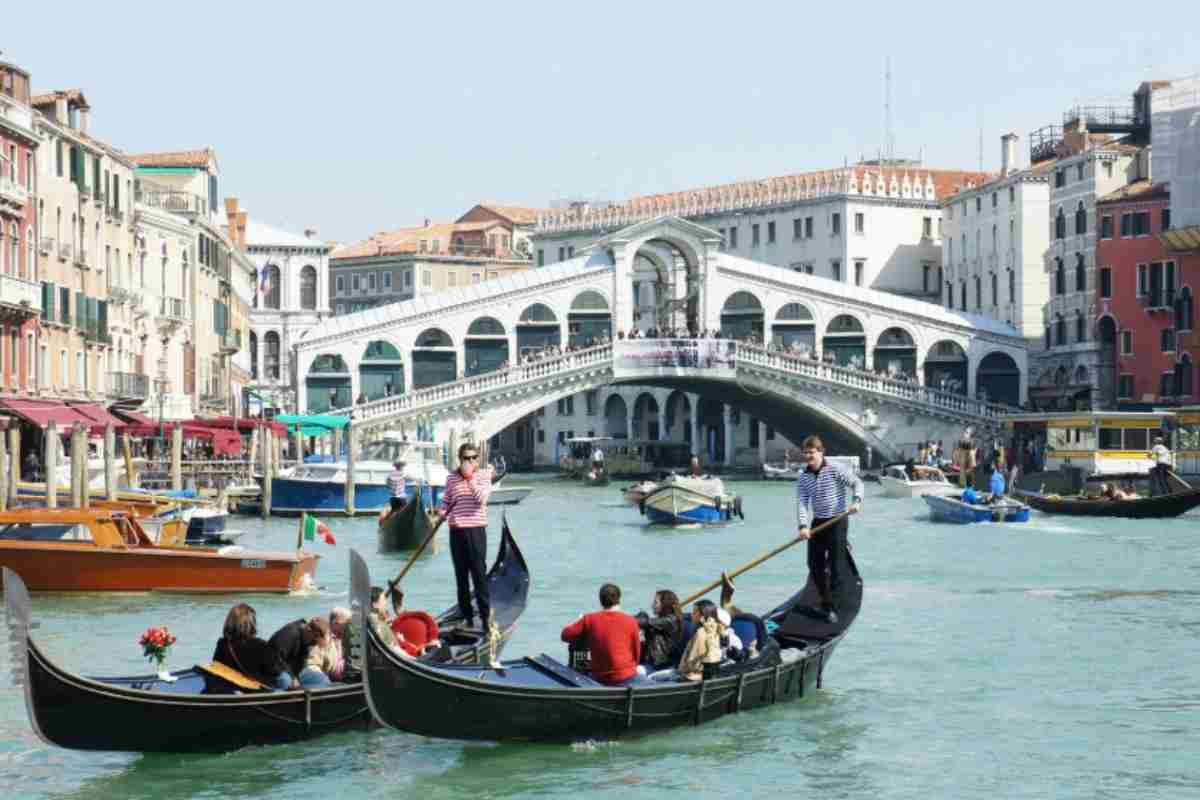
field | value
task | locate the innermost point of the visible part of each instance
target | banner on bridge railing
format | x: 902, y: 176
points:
x: 668, y: 355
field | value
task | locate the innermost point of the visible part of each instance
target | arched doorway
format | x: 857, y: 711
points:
x: 667, y: 274
x: 308, y: 288
x: 589, y: 319
x: 434, y: 360
x: 998, y: 379
x: 712, y: 430
x: 845, y: 342
x: 537, y: 329
x: 895, y: 353
x: 679, y: 418
x: 946, y: 367
x: 616, y: 415
x: 794, y: 329
x: 742, y: 317
x: 645, y: 417
x: 485, y: 347
x: 1106, y: 369
x: 381, y: 371
x: 328, y: 385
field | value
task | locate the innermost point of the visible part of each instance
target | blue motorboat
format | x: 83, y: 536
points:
x: 952, y: 508
x: 690, y: 501
x: 320, y: 488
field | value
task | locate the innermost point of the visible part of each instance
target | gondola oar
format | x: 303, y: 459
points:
x: 392, y: 584
x: 771, y: 554
x: 1187, y: 487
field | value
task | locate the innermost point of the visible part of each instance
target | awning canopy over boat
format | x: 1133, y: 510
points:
x: 42, y: 412
x: 313, y: 424
x: 224, y: 442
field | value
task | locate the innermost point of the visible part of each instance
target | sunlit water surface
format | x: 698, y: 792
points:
x: 1055, y: 659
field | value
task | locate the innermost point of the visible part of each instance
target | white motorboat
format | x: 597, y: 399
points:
x: 897, y: 482
x: 787, y: 471
x: 505, y: 495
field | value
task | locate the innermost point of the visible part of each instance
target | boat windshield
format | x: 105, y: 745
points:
x: 392, y: 451
x: 38, y: 532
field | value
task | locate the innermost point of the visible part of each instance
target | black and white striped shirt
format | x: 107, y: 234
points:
x: 822, y: 494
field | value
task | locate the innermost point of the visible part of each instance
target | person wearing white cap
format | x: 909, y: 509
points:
x: 731, y: 643
x: 1161, y: 457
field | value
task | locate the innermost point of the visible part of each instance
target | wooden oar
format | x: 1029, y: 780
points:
x: 1187, y: 487
x: 417, y: 553
x: 771, y: 554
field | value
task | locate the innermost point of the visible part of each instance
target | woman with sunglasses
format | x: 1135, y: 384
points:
x: 464, y: 507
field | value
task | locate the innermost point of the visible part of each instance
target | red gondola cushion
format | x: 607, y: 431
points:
x: 418, y: 629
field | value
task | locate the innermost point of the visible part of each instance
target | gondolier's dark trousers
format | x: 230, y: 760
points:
x: 468, y: 548
x: 1159, y: 483
x: 824, y: 554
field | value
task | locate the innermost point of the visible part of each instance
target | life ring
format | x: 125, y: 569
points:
x: 417, y: 628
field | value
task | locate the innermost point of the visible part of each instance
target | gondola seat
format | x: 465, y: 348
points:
x: 561, y: 673
x: 418, y: 629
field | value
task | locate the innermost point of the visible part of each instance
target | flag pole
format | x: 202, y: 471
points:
x: 300, y: 532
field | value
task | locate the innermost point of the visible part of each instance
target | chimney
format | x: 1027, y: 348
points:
x: 1008, y: 154
x: 310, y: 233
x: 231, y: 206
x: 426, y: 222
x: 60, y: 108
x: 83, y: 119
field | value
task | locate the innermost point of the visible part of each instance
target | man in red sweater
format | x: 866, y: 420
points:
x: 612, y: 637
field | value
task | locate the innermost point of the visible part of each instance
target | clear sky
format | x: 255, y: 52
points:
x: 355, y: 118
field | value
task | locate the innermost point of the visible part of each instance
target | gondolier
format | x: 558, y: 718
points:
x: 821, y: 496
x: 1161, y: 456
x: 464, y: 507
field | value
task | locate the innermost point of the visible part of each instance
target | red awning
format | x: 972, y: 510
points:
x: 43, y: 412
x: 98, y: 417
x: 224, y: 442
x: 244, y: 424
x: 134, y: 417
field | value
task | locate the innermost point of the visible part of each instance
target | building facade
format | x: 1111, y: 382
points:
x: 289, y: 297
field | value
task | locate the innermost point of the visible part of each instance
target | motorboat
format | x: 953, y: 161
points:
x: 897, y: 481
x: 952, y: 508
x: 690, y: 500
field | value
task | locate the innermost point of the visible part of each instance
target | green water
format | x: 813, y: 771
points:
x: 1056, y: 659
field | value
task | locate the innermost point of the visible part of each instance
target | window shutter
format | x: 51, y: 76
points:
x: 64, y: 305
x: 102, y: 320
x: 96, y: 174
x: 80, y: 310
x: 47, y: 300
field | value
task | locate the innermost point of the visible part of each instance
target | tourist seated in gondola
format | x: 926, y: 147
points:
x: 341, y: 631
x: 293, y: 642
x: 612, y: 638
x: 703, y: 655
x: 731, y: 644
x: 240, y: 648
x: 1110, y: 491
x: 662, y: 630
x: 380, y: 621
x: 323, y: 656
x: 750, y: 628
x: 416, y: 631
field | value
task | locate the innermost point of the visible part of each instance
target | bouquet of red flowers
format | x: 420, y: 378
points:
x: 155, y: 643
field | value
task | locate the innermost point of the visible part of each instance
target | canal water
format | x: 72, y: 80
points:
x: 1052, y: 659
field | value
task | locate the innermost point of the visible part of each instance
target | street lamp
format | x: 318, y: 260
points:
x: 162, y: 385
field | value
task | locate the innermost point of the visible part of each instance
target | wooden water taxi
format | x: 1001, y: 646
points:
x: 105, y: 550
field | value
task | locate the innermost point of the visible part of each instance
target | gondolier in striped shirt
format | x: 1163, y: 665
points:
x: 820, y: 496
x: 464, y: 507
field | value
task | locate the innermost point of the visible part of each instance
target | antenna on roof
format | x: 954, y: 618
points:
x: 889, y: 144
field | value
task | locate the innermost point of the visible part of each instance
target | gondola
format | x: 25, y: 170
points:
x: 541, y: 698
x: 1158, y: 507
x: 406, y: 528
x: 145, y: 714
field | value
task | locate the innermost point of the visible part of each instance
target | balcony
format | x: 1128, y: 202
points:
x: 19, y: 299
x: 65, y: 249
x: 166, y: 199
x: 81, y: 258
x: 98, y: 197
x: 131, y: 385
x: 85, y: 191
x: 231, y: 341
x: 13, y: 196
x: 46, y: 245
x: 172, y: 309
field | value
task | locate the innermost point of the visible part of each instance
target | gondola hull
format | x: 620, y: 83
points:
x: 145, y: 714
x: 1160, y: 507
x: 407, y: 528
x: 538, y: 698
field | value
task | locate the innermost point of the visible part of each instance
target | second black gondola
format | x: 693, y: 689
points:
x: 1157, y: 507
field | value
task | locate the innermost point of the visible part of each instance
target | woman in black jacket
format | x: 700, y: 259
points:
x: 663, y: 632
x: 241, y: 649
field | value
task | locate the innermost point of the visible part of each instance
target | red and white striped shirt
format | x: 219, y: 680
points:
x: 464, y: 503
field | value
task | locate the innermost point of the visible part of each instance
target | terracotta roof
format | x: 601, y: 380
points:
x: 408, y: 240
x: 72, y: 95
x: 1138, y: 190
x: 176, y: 158
x: 517, y: 215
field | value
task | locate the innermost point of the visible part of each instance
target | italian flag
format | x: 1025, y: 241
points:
x: 314, y: 526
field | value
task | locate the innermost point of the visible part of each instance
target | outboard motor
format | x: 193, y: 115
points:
x: 737, y: 507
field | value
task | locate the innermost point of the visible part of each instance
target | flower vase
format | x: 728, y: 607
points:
x: 165, y: 675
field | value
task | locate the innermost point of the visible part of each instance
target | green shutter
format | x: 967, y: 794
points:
x: 102, y: 320
x: 116, y: 193
x: 96, y: 174
x: 48, y: 301
x: 64, y: 305
x: 80, y: 310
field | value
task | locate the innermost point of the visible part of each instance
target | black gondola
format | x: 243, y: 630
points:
x: 406, y: 528
x: 145, y: 714
x: 541, y: 698
x: 1158, y: 507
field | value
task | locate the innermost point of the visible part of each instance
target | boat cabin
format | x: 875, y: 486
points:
x: 625, y: 458
x: 1098, y: 442
x: 103, y: 528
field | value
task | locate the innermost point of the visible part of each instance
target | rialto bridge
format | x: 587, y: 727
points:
x: 799, y: 352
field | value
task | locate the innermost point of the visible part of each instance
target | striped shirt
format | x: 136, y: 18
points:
x: 464, y: 503
x: 396, y: 483
x: 822, y: 494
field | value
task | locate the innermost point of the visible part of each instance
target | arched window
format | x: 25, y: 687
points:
x: 1080, y: 220
x: 1183, y: 376
x: 1060, y: 330
x: 1047, y: 337
x: 269, y: 286
x: 1060, y: 224
x: 271, y: 356
x: 994, y: 246
x: 1060, y: 277
x: 995, y: 290
x: 962, y: 296
x: 949, y: 295
x: 14, y: 246
x: 1080, y: 332
x: 308, y: 288
x: 253, y: 355
x: 1080, y: 273
x: 978, y: 293
x: 1183, y: 310
x: 1012, y: 286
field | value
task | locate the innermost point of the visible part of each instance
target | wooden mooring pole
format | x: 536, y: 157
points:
x: 50, y: 463
x: 350, y: 435
x: 177, y: 457
x: 267, y: 472
x: 110, y: 462
x: 14, y: 479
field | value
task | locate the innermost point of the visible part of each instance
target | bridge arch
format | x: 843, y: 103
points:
x: 742, y: 316
x: 589, y: 319
x: 646, y: 416
x: 794, y: 327
x: 485, y: 346
x: 380, y: 370
x: 329, y: 384
x: 895, y: 351
x: 616, y: 416
x: 537, y: 328
x: 946, y: 366
x: 678, y: 413
x: 676, y: 241
x: 434, y: 358
x: 998, y: 379
x: 845, y: 341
